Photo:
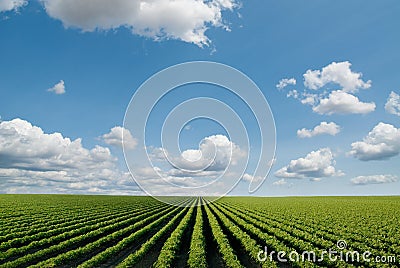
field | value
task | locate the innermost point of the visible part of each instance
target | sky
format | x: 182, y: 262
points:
x: 327, y: 69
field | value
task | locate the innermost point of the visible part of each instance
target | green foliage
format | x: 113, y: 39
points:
x: 94, y: 231
x: 224, y: 247
x: 135, y: 257
x: 249, y: 244
x: 171, y: 246
x: 197, y: 255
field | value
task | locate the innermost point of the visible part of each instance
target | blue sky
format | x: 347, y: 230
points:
x: 103, y: 57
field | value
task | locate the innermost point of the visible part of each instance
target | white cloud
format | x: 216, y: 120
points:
x: 159, y: 181
x: 182, y: 173
x: 374, y: 179
x: 117, y: 135
x: 185, y: 20
x: 340, y: 102
x: 250, y: 178
x: 285, y: 82
x: 309, y: 99
x: 8, y: 5
x: 280, y: 182
x: 305, y: 98
x: 214, y: 167
x: 323, y: 128
x: 215, y: 153
x: 382, y: 142
x: 293, y: 93
x: 317, y: 164
x: 338, y: 73
x: 247, y: 177
x: 32, y: 161
x: 392, y: 105
x: 58, y: 88
x: 157, y: 154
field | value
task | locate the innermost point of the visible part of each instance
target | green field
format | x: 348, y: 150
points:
x: 109, y: 231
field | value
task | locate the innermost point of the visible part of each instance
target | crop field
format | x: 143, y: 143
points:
x: 115, y: 231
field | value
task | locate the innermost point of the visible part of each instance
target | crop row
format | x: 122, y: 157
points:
x: 45, y: 215
x: 197, y: 254
x: 194, y: 233
x: 50, y: 231
x: 313, y: 238
x: 379, y: 242
x: 127, y: 241
x: 138, y: 255
x: 30, y: 226
x: 118, y: 229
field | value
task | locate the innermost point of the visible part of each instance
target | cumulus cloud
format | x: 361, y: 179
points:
x: 8, y: 5
x: 392, y: 105
x: 280, y: 182
x: 250, y: 178
x: 58, y: 88
x: 381, y: 143
x: 323, y: 128
x: 247, y: 177
x: 304, y: 97
x: 185, y: 20
x: 309, y: 99
x: 317, y: 164
x: 374, y: 179
x: 215, y: 153
x: 183, y: 173
x: 119, y: 135
x: 34, y: 161
x: 160, y: 182
x: 157, y: 154
x: 293, y: 94
x: 341, y: 102
x: 285, y: 82
x: 213, y: 167
x: 337, y: 73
